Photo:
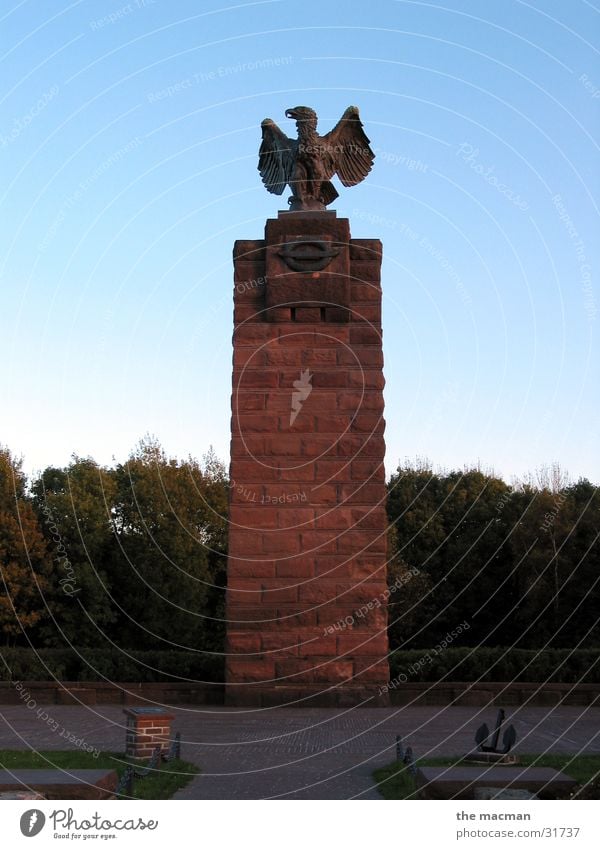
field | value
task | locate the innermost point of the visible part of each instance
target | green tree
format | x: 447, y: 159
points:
x: 25, y: 566
x: 75, y: 506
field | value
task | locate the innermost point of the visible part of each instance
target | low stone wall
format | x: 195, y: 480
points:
x: 168, y: 694
x: 501, y: 694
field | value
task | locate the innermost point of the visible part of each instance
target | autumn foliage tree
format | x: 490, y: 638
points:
x: 25, y: 564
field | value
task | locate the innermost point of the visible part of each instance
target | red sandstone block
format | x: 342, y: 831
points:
x: 358, y: 643
x: 333, y: 518
x: 237, y: 568
x: 317, y: 592
x: 370, y: 313
x: 351, y: 400
x: 250, y: 446
x: 335, y: 568
x: 372, y: 470
x: 321, y: 646
x: 324, y: 494
x: 254, y: 333
x: 332, y: 423
x: 367, y: 379
x: 366, y: 335
x: 301, y: 474
x: 248, y: 423
x: 365, y: 249
x: 244, y: 314
x: 368, y: 566
x: 318, y: 446
x: 368, y: 493
x: 243, y: 543
x: 279, y: 595
x: 281, y: 355
x: 239, y: 669
x: 366, y: 270
x: 308, y: 314
x: 294, y: 670
x: 369, y: 518
x: 289, y: 619
x: 249, y: 249
x: 360, y: 357
x: 256, y: 380
x: 365, y: 592
x: 336, y: 379
x: 362, y: 292
x: 252, y: 473
x: 331, y: 335
x: 248, y: 357
x: 337, y: 314
x: 280, y: 314
x: 357, y: 541
x: 318, y: 542
x: 283, y: 445
x: 242, y: 401
x: 297, y: 518
x: 303, y: 423
x: 335, y: 671
x: 299, y: 571
x: 368, y: 423
x: 330, y: 470
x: 281, y: 543
x: 280, y: 643
x: 319, y: 357
x: 254, y: 518
x: 248, y: 643
x: 361, y: 446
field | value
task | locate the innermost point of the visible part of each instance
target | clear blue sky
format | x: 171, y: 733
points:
x: 128, y: 137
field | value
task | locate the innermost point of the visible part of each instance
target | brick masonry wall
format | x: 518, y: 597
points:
x: 307, y: 536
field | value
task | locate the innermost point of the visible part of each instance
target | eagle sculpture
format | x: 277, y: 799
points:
x: 308, y: 163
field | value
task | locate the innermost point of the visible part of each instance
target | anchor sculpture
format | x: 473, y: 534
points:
x: 508, y: 738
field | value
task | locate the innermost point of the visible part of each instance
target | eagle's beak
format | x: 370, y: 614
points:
x: 290, y: 113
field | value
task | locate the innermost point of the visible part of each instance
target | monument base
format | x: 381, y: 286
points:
x: 302, y: 696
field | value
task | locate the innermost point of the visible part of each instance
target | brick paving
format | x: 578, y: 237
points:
x: 301, y: 753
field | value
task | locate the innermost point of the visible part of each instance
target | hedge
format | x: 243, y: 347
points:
x: 24, y: 664
x: 451, y: 664
x: 497, y: 664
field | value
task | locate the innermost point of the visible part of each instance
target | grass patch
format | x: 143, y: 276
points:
x: 160, y: 784
x: 395, y: 782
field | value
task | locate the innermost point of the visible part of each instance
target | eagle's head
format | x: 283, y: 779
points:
x: 303, y: 115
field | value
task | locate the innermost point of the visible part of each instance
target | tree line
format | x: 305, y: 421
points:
x: 133, y: 557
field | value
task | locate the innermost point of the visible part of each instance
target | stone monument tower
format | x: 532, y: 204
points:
x: 306, y: 582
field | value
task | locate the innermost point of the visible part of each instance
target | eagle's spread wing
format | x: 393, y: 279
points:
x: 351, y: 155
x: 275, y: 157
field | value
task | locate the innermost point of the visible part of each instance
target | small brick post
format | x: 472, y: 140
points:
x: 147, y: 728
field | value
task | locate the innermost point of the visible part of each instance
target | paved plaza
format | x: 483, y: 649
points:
x: 293, y: 753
